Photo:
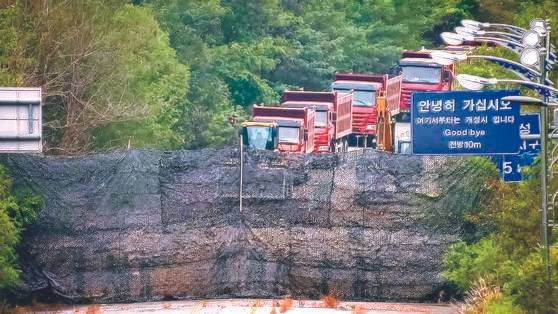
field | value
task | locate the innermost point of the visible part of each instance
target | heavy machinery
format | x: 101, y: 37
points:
x: 259, y: 135
x: 365, y: 88
x: 388, y: 107
x: 333, y: 116
x: 280, y: 128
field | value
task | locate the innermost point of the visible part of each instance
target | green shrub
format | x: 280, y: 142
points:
x: 16, y: 211
x: 509, y: 258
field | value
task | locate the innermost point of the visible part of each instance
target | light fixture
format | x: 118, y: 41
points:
x: 472, y: 24
x: 455, y: 39
x: 446, y: 58
x: 531, y: 38
x: 525, y: 100
x: 462, y: 30
x: 529, y: 56
x: 473, y: 82
x: 537, y: 22
x: 538, y: 25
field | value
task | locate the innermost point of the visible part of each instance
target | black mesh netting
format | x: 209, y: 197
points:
x: 144, y: 225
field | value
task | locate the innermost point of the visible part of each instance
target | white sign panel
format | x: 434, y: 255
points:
x: 20, y: 120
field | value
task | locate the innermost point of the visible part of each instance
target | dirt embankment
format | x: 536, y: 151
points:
x: 143, y: 225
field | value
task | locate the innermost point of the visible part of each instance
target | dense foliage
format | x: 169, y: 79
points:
x: 509, y: 258
x: 170, y: 73
x: 106, y: 69
x: 16, y: 211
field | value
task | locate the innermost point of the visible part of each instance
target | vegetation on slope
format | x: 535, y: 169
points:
x: 503, y: 271
x: 16, y: 211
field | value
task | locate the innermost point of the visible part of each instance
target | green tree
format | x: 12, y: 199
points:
x: 245, y: 52
x: 105, y: 67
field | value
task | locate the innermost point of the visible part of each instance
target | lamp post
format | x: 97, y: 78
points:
x: 544, y: 170
x: 477, y: 83
x: 534, y: 50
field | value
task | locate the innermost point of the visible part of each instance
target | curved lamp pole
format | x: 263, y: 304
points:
x: 473, y: 82
x: 524, y: 72
x: 458, y: 39
x: 463, y: 30
x: 536, y: 24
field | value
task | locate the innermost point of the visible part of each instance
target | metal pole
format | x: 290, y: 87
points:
x: 241, y: 171
x: 544, y: 159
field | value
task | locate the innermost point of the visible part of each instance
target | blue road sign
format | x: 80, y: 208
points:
x: 509, y: 166
x: 464, y: 123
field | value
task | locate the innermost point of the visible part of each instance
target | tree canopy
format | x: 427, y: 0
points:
x: 169, y: 73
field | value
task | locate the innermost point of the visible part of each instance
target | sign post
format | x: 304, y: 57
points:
x: 464, y: 123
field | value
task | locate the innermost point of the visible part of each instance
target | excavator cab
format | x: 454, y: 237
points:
x: 259, y: 135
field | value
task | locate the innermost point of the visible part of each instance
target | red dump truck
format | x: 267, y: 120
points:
x: 333, y: 116
x: 285, y: 129
x: 365, y: 88
x: 419, y: 73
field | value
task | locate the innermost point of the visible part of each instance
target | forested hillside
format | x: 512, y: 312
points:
x: 168, y: 74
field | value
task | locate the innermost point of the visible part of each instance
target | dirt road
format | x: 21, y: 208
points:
x: 246, y: 306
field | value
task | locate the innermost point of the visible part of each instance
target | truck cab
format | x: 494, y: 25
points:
x: 365, y: 88
x: 285, y: 129
x: 259, y: 135
x: 323, y: 122
x: 420, y: 73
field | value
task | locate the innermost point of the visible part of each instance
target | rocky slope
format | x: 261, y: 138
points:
x: 146, y: 225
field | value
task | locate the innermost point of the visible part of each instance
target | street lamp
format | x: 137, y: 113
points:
x: 528, y: 100
x: 473, y: 82
x: 529, y: 56
x: 537, y: 24
x: 531, y: 38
